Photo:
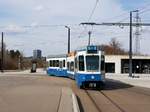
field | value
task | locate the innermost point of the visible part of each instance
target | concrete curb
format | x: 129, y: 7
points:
x: 68, y: 101
x: 75, y: 103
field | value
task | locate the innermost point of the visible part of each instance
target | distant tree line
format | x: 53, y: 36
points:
x: 114, y: 47
x: 12, y: 59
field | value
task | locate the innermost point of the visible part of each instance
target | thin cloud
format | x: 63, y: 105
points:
x: 39, y: 8
x: 13, y: 29
x: 55, y: 12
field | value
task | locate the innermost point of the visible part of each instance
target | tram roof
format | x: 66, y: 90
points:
x: 57, y: 56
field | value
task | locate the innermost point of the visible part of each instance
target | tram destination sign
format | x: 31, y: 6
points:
x: 92, y: 49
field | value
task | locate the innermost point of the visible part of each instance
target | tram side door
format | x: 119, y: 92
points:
x: 60, y: 66
x: 76, y: 65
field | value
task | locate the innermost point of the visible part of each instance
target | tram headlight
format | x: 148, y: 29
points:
x: 83, y: 78
x: 92, y: 77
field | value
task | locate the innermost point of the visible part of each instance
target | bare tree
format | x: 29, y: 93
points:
x: 113, y: 48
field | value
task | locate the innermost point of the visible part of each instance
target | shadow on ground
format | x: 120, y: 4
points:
x: 80, y: 104
x: 113, y: 85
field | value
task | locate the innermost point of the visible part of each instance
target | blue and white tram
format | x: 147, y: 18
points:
x: 56, y: 66
x: 86, y: 66
x: 90, y: 67
x: 71, y: 65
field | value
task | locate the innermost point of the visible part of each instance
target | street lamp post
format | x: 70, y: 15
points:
x: 2, y: 53
x: 130, y: 45
x: 68, y: 38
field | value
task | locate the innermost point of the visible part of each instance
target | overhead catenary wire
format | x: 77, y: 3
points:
x: 92, y: 13
x: 144, y: 7
x: 123, y: 14
x: 39, y: 26
x: 116, y: 17
x: 142, y: 10
x: 90, y: 17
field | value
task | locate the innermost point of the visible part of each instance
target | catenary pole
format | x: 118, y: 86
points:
x: 130, y: 47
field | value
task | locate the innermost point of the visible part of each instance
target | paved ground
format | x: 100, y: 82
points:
x: 40, y: 93
x: 39, y: 71
x: 34, y: 93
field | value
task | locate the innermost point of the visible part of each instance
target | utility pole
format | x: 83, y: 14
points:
x: 130, y: 45
x: 19, y: 62
x: 68, y: 38
x: 137, y: 34
x: 2, y: 54
x: 89, y: 42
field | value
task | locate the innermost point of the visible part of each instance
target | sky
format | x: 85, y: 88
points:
x: 24, y: 24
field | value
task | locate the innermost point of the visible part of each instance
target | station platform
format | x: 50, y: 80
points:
x: 141, y: 80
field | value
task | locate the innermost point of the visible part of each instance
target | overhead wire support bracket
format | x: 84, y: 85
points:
x: 115, y: 24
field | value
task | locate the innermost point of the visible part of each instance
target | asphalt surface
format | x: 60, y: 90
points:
x: 41, y: 93
x: 34, y: 93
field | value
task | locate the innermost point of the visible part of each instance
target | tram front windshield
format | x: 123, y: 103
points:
x: 92, y: 63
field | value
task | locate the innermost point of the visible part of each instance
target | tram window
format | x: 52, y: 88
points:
x: 92, y: 63
x: 49, y: 63
x: 53, y: 63
x: 72, y: 66
x: 57, y: 63
x: 68, y: 65
x: 81, y: 63
x: 63, y: 63
x: 75, y: 63
x: 102, y: 63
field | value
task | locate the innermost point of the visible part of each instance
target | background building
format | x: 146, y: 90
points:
x: 119, y: 64
x: 37, y: 54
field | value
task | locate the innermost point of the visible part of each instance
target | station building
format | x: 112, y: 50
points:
x: 119, y: 64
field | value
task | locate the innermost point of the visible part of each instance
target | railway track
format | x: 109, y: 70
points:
x: 122, y: 110
x: 99, y: 107
x: 94, y: 102
x: 60, y: 97
x: 115, y: 98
